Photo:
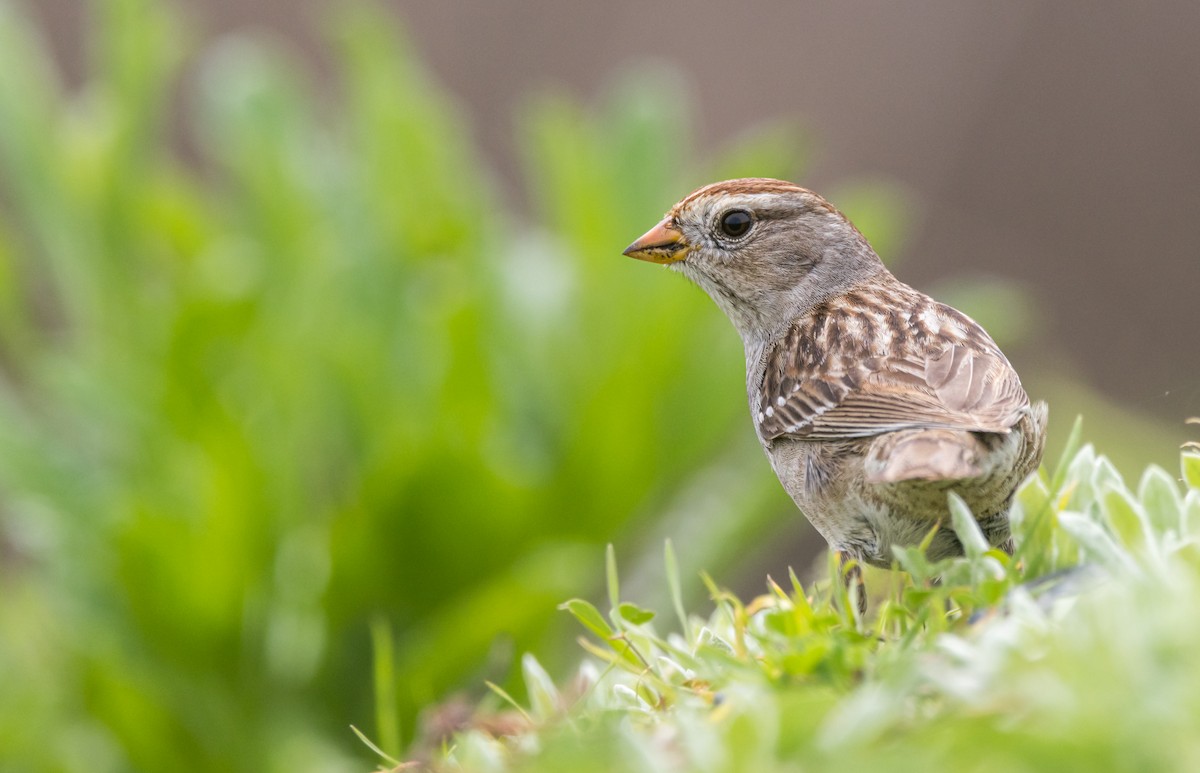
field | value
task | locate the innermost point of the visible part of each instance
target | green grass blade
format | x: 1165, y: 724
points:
x: 503, y: 694
x: 387, y: 719
x: 610, y: 574
x: 672, y: 570
x: 1074, y: 441
x: 371, y: 745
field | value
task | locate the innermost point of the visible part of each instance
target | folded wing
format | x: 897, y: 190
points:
x: 956, y: 380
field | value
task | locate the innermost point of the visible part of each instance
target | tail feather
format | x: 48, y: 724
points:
x: 924, y: 454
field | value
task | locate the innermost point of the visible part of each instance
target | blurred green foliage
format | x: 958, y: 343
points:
x: 279, y: 360
x: 321, y: 374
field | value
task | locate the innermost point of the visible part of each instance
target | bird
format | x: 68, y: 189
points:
x: 872, y: 401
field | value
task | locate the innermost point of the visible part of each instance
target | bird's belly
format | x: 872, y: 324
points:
x: 820, y: 479
x: 827, y: 481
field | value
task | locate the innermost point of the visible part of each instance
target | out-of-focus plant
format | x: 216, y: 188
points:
x: 319, y: 375
x: 316, y: 372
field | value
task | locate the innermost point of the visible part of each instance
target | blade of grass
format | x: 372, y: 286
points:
x: 382, y: 754
x: 509, y: 700
x: 672, y: 568
x: 1074, y: 440
x: 387, y: 719
x: 610, y: 573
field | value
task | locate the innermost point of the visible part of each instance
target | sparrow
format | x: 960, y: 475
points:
x: 871, y: 400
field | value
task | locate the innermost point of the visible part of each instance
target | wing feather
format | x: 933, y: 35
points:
x: 952, y: 376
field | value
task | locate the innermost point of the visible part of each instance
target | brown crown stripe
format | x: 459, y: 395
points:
x: 743, y: 186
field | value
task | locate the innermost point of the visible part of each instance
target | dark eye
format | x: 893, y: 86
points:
x: 735, y: 223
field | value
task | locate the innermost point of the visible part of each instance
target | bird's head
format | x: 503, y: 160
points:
x: 767, y: 251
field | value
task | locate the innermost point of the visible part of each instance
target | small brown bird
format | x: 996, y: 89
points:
x: 871, y: 400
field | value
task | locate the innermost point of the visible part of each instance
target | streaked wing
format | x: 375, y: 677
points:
x: 958, y: 381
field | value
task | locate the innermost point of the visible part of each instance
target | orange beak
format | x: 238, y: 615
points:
x: 661, y: 244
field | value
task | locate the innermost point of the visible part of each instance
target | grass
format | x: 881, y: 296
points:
x: 1078, y: 653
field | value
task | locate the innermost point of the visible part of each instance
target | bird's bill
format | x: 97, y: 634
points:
x: 661, y: 244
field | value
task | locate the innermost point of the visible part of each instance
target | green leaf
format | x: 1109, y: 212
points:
x: 634, y: 614
x: 1190, y: 463
x: 478, y: 752
x: 591, y: 618
x: 1105, y: 474
x: 1126, y: 518
x: 799, y: 598
x: 1096, y: 542
x: 706, y: 638
x: 912, y: 560
x: 1160, y: 497
x: 1191, y: 510
x: 1068, y: 453
x: 1077, y: 493
x: 543, y: 695
x: 966, y: 527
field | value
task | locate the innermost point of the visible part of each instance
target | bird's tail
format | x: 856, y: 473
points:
x: 924, y: 454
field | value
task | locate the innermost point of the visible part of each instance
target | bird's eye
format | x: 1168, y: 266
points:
x: 735, y: 223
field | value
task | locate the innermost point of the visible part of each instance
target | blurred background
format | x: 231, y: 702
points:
x: 315, y: 331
